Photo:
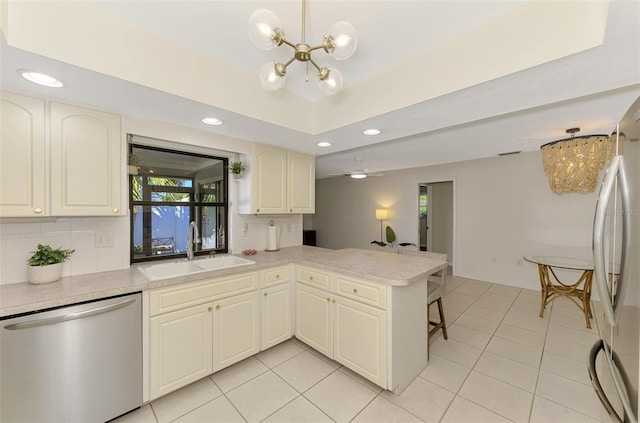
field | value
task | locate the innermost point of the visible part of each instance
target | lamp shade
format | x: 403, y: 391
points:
x: 382, y: 214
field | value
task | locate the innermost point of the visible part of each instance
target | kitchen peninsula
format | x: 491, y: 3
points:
x: 365, y: 309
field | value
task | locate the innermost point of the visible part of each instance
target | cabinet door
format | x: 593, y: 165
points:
x: 301, y: 183
x: 22, y: 156
x: 276, y: 315
x: 236, y: 329
x: 86, y: 162
x: 314, y: 319
x: 180, y: 348
x: 361, y: 339
x: 269, y: 180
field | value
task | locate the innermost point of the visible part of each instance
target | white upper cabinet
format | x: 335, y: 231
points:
x: 280, y: 182
x: 86, y: 162
x: 22, y: 156
x: 70, y: 166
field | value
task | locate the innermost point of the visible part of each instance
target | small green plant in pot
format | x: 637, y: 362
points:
x: 45, y: 264
x: 237, y: 168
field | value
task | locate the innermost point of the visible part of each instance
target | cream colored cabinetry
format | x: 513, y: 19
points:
x: 281, y: 182
x: 276, y: 305
x: 181, y: 345
x: 22, y: 156
x: 350, y: 328
x: 86, y: 162
x: 236, y: 329
x: 201, y: 327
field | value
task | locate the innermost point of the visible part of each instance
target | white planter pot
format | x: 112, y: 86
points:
x: 45, y: 274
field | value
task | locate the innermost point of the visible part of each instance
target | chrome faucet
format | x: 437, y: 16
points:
x: 192, y: 238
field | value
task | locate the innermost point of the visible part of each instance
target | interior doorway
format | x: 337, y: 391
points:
x: 435, y: 217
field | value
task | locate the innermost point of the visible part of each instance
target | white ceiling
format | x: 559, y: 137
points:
x: 521, y: 111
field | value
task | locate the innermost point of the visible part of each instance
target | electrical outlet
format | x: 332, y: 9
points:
x: 104, y: 240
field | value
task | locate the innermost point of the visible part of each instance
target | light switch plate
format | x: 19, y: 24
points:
x: 104, y: 240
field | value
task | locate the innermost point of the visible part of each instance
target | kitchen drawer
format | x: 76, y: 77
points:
x: 275, y: 275
x: 174, y: 298
x: 365, y: 292
x: 314, y: 277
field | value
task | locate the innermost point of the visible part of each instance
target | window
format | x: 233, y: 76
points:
x: 170, y: 190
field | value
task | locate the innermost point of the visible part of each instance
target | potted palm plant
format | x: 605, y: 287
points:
x: 45, y: 264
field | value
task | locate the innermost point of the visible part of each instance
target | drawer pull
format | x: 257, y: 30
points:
x: 290, y: 210
x: 355, y: 291
x: 310, y: 278
x: 265, y: 294
x: 334, y: 300
x: 116, y: 210
x: 328, y: 299
x: 218, y: 307
x: 210, y: 308
x: 257, y: 210
x: 37, y: 210
x: 278, y: 276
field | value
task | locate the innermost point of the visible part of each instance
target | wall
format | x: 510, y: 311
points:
x: 19, y: 238
x: 503, y: 209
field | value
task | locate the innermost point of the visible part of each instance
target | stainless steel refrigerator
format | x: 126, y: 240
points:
x: 614, y: 359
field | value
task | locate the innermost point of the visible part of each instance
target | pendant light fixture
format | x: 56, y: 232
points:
x: 266, y: 32
x: 573, y: 164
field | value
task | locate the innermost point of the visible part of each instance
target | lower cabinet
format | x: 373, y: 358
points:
x: 181, y: 346
x: 236, y: 329
x: 351, y: 333
x: 276, y: 315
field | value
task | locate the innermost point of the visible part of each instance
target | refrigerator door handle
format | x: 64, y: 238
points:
x: 595, y: 381
x: 614, y: 174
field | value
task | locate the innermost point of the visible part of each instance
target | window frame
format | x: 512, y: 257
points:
x: 195, y: 206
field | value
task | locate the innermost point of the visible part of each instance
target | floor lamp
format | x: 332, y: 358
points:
x: 381, y: 214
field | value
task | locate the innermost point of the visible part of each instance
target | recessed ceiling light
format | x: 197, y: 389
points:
x: 324, y: 144
x: 212, y: 121
x: 371, y: 131
x: 40, y: 78
x: 358, y: 175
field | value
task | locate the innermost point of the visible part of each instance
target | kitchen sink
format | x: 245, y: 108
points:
x: 176, y: 269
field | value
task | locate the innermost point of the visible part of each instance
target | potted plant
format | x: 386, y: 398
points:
x: 45, y: 264
x: 237, y: 168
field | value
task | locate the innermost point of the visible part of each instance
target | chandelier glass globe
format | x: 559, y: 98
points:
x: 344, y: 40
x: 265, y: 29
x: 269, y: 77
x: 332, y: 84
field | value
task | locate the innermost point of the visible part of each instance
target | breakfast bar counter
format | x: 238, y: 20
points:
x: 375, y: 266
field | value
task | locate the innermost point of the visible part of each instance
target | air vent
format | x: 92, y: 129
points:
x: 510, y: 153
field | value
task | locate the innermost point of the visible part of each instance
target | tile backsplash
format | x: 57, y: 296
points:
x: 17, y: 240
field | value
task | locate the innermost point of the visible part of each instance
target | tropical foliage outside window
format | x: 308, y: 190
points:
x: 171, y: 190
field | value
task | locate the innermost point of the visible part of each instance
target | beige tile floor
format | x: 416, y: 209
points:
x: 501, y: 363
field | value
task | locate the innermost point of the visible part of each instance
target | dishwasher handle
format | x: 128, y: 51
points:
x: 70, y: 316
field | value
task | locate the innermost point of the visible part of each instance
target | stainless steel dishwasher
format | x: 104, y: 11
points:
x: 80, y: 363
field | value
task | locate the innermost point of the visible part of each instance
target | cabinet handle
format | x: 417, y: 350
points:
x: 328, y: 299
x: 334, y: 300
x: 257, y: 210
x: 290, y: 210
x: 265, y: 294
x: 116, y: 210
x: 218, y: 307
x: 310, y: 278
x: 355, y: 291
x: 37, y: 210
x: 277, y: 276
x: 210, y: 308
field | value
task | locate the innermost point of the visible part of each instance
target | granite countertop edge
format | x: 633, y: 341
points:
x: 27, y: 298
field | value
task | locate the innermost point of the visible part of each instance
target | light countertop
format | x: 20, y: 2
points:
x: 374, y: 266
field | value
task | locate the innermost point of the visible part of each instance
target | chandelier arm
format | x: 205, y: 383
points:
x: 287, y: 42
x: 315, y: 48
x: 289, y: 61
x: 315, y: 64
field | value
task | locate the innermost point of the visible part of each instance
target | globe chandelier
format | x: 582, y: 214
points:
x: 266, y: 33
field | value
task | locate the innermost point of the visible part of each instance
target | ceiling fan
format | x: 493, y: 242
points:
x: 359, y: 172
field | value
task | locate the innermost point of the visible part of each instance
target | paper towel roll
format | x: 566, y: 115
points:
x: 272, y: 238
